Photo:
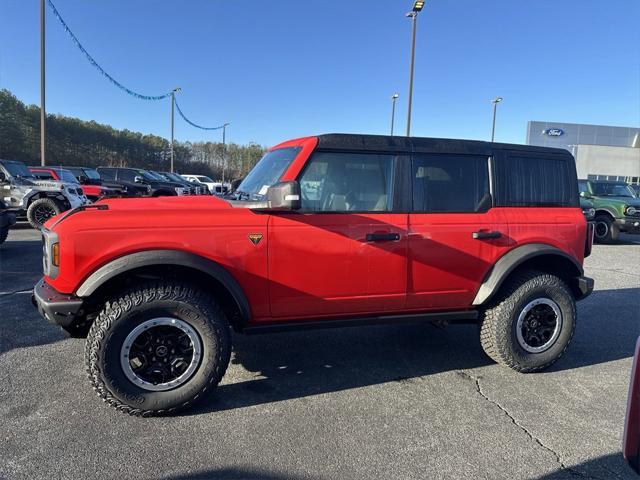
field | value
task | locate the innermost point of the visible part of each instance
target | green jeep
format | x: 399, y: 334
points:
x: 617, y: 208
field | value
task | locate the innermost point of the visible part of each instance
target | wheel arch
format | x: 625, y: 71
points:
x: 150, y: 264
x: 606, y: 211
x: 535, y: 256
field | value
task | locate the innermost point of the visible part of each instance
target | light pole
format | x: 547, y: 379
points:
x: 43, y: 114
x: 495, y: 102
x: 413, y: 14
x: 394, y: 97
x: 173, y: 102
x: 224, y: 150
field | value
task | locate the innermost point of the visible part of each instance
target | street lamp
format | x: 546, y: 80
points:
x: 394, y: 97
x: 173, y: 102
x: 413, y: 14
x: 224, y: 150
x: 495, y: 102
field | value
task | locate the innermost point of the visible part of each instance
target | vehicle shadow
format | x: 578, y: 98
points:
x: 234, y: 473
x: 299, y: 364
x: 601, y: 468
x: 20, y: 264
x: 21, y: 325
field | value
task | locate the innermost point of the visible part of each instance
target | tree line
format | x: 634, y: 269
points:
x: 71, y: 141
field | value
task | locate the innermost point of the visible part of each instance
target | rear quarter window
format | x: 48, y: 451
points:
x: 528, y: 180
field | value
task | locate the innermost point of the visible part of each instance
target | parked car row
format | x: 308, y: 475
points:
x: 39, y: 193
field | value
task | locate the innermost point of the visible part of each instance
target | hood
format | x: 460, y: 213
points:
x: 634, y: 202
x: 131, y: 213
x: 54, y: 184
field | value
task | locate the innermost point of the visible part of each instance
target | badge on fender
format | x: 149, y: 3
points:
x: 255, y: 238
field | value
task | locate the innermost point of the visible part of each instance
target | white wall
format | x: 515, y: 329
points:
x: 601, y: 160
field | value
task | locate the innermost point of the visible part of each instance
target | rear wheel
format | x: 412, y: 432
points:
x: 531, y: 323
x: 157, y: 348
x: 42, y: 210
x: 606, y: 230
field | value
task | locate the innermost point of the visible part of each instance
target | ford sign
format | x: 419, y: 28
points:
x: 553, y: 132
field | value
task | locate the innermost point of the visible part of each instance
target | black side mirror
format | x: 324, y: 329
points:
x: 83, y: 179
x: 137, y: 179
x: 284, y: 196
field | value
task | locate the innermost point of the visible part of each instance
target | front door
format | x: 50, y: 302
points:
x: 345, y: 252
x: 455, y: 235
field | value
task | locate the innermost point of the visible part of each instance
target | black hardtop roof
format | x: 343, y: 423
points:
x: 399, y: 144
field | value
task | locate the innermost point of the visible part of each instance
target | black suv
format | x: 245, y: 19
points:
x: 195, y: 187
x: 93, y: 185
x: 155, y: 184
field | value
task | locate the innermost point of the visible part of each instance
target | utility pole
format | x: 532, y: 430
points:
x: 495, y: 102
x: 413, y: 14
x: 394, y: 97
x: 224, y: 150
x: 43, y: 114
x: 173, y: 102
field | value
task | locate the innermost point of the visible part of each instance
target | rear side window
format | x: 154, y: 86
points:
x: 348, y: 182
x: 108, y: 173
x: 535, y: 181
x: 450, y: 183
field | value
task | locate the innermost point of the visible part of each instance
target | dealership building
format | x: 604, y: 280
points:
x: 601, y: 152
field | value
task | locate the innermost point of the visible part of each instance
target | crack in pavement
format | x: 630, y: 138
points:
x: 16, y: 292
x: 564, y: 467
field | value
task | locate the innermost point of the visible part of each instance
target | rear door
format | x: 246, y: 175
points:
x: 455, y: 236
x: 345, y: 252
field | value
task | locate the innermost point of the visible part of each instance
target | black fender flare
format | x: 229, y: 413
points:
x: 512, y: 260
x: 608, y: 210
x: 167, y: 257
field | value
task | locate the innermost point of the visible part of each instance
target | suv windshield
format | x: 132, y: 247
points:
x: 67, y: 176
x: 612, y: 190
x: 150, y: 176
x: 173, y: 177
x: 17, y: 169
x: 267, y: 172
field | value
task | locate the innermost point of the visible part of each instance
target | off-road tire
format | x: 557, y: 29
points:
x: 123, y: 313
x: 612, y: 230
x: 499, y: 320
x: 4, y: 233
x: 40, y: 203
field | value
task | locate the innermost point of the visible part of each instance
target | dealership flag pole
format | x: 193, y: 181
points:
x: 43, y: 115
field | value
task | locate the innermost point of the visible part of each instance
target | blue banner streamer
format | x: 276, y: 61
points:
x: 98, y: 67
x: 194, y: 124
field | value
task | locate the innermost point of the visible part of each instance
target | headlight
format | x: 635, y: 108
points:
x: 179, y: 190
x: 631, y: 211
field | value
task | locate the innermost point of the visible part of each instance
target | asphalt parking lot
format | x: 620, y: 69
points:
x: 377, y: 402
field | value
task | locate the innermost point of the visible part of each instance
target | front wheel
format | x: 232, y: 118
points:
x: 530, y: 325
x: 606, y: 230
x: 157, y: 348
x: 42, y: 210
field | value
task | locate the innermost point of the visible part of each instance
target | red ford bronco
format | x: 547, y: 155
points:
x: 332, y: 230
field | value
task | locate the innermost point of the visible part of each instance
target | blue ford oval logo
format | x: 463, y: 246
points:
x: 554, y: 132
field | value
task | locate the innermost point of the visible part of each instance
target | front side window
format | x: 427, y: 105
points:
x: 40, y: 175
x: 108, y: 173
x: 266, y: 173
x: 450, y: 183
x: 347, y: 182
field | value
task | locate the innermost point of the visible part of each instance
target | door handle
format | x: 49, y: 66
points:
x: 382, y: 237
x: 485, y: 235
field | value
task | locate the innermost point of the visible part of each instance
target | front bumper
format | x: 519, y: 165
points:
x: 584, y: 287
x: 56, y: 307
x: 628, y: 224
